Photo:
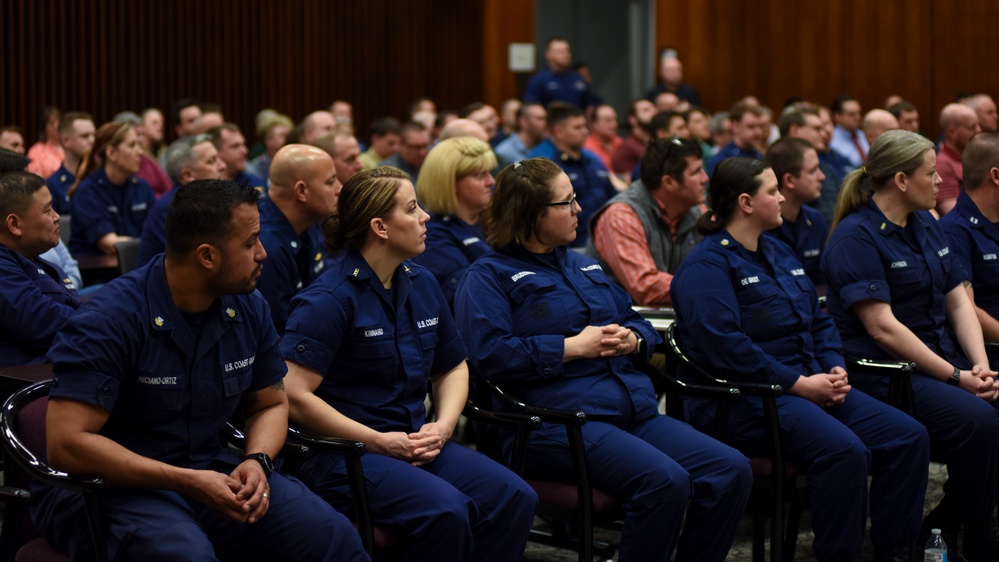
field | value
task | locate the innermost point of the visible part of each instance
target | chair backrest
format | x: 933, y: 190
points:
x: 64, y: 226
x: 128, y: 254
x: 23, y: 423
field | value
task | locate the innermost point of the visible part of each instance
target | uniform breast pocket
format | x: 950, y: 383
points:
x: 904, y: 276
x: 761, y: 306
x: 600, y: 297
x: 537, y: 306
x: 372, y: 359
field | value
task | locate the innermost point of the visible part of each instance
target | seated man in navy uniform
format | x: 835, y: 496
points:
x: 304, y: 189
x: 146, y: 374
x: 36, y: 297
x: 76, y: 134
x: 973, y: 230
x: 799, y: 178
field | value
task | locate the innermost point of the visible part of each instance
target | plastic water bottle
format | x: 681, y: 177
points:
x: 936, y: 548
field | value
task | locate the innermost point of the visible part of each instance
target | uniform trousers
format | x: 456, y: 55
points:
x: 838, y: 448
x: 461, y: 506
x: 163, y: 526
x: 661, y: 469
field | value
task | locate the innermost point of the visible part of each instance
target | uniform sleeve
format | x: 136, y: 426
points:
x: 532, y: 94
x: 445, y: 260
x: 90, y: 218
x: 706, y: 302
x: 960, y: 246
x: 269, y: 366
x: 852, y: 267
x: 620, y: 239
x: 317, y: 325
x: 276, y: 283
x: 450, y: 347
x: 90, y: 356
x: 485, y: 318
x: 30, y: 317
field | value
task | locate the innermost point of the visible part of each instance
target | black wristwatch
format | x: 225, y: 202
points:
x: 265, y: 462
x: 955, y: 379
x: 639, y: 346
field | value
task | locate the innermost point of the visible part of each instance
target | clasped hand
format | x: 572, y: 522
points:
x: 416, y: 448
x: 604, y: 341
x: 241, y: 496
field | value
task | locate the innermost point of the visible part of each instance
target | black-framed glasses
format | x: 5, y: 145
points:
x: 569, y: 203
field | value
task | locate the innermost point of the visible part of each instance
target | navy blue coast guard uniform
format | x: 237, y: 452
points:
x: 169, y: 382
x: 100, y: 207
x: 515, y: 310
x: 452, y: 246
x: 377, y: 349
x: 293, y: 261
x: 36, y: 298
x: 870, y: 258
x: 755, y: 317
x: 974, y: 242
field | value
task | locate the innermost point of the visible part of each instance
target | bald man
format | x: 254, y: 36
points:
x: 464, y: 128
x: 304, y: 191
x: 959, y: 123
x: 317, y: 124
x: 878, y: 121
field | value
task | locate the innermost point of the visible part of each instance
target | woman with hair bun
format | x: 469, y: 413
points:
x: 746, y: 310
x: 362, y: 343
x: 896, y: 292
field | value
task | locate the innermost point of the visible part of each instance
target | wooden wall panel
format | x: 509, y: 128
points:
x: 504, y: 22
x: 296, y: 56
x: 924, y: 50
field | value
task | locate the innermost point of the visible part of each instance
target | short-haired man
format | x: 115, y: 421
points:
x: 590, y: 179
x: 211, y: 117
x: 747, y: 135
x: 603, y: 139
x: 628, y: 154
x: 413, y: 147
x: 148, y: 372
x: 36, y: 296
x: 848, y: 139
x: 959, y: 123
x: 907, y: 115
x: 317, y: 124
x: 799, y: 179
x: 671, y: 72
x: 644, y: 233
x: 973, y: 230
x: 485, y: 115
x: 231, y: 144
x: 76, y: 134
x: 530, y: 131
x: 558, y: 82
x: 803, y: 122
x: 384, y: 142
x: 152, y: 133
x: 346, y: 153
x: 186, y: 159
x: 304, y: 191
x: 11, y: 139
x: 985, y: 107
x: 464, y: 128
x: 185, y: 115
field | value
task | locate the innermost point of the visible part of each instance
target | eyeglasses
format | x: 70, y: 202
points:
x: 673, y: 143
x: 569, y: 203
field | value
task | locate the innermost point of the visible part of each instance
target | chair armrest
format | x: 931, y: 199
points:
x: 664, y: 382
x: 883, y: 367
x: 235, y: 437
x: 710, y: 379
x: 505, y: 419
x: 344, y: 447
x: 553, y: 415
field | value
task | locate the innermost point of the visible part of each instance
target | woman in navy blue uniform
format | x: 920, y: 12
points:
x: 109, y: 202
x: 455, y: 186
x: 363, y: 342
x: 893, y: 288
x: 547, y: 323
x: 746, y: 307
